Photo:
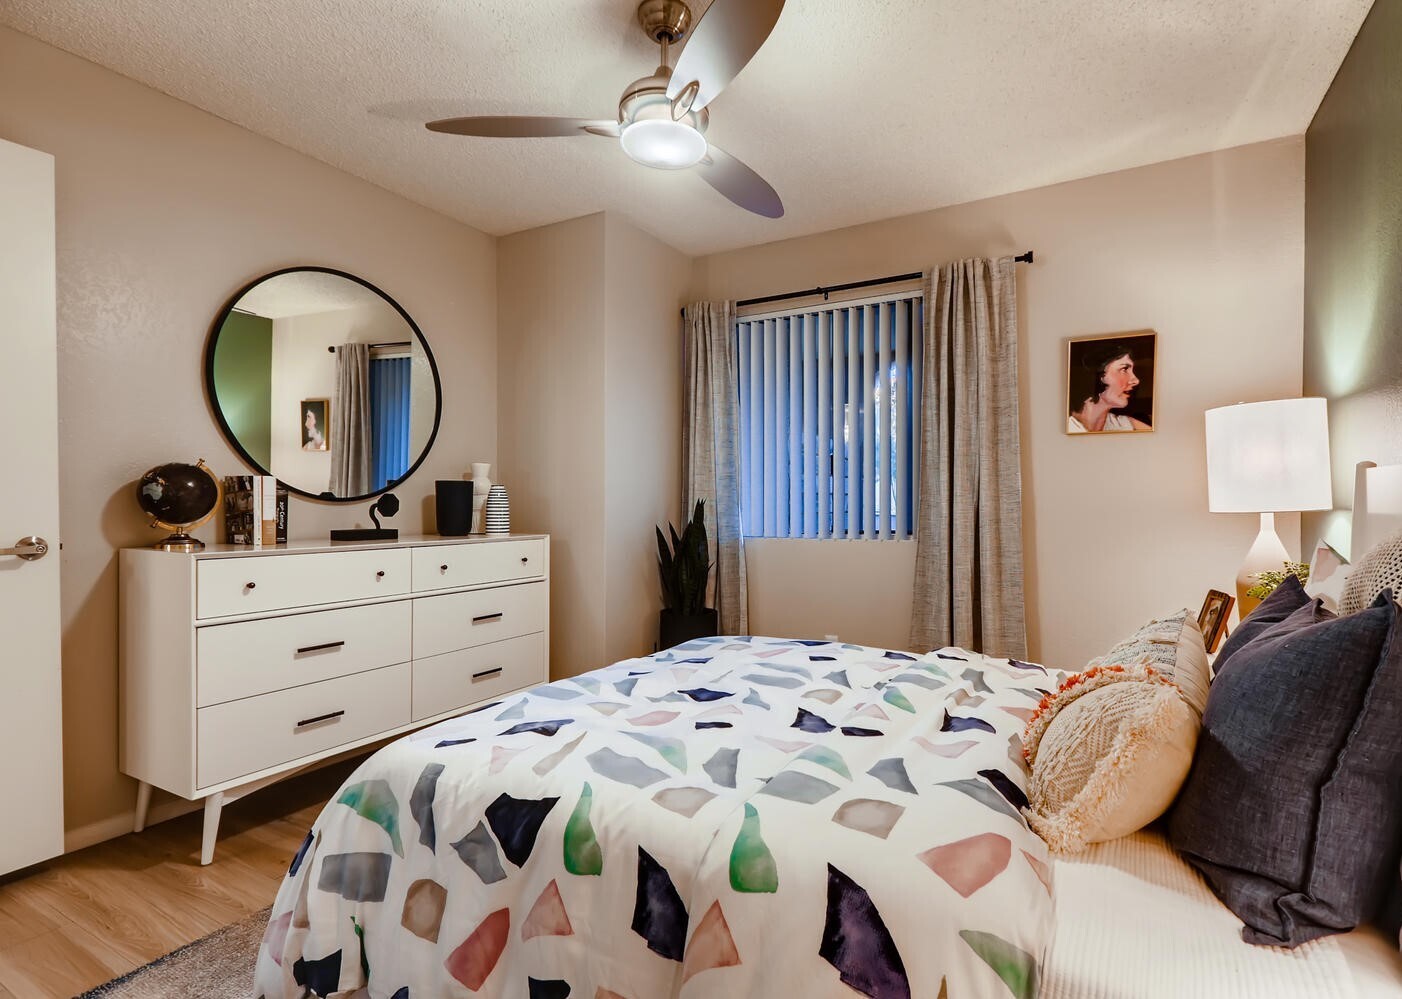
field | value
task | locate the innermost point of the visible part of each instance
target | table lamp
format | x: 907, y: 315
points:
x: 1267, y: 458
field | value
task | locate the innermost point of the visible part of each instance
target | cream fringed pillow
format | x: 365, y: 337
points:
x: 1111, y: 748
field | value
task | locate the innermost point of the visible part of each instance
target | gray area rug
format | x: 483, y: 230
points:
x: 219, y: 966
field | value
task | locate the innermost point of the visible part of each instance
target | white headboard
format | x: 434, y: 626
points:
x: 1377, y: 506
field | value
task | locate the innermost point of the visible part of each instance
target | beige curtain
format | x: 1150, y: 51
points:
x: 350, y: 422
x: 710, y: 452
x: 968, y: 555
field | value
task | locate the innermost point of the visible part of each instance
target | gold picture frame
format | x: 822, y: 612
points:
x: 1123, y: 401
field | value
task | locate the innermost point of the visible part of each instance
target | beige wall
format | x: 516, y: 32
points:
x: 1353, y: 264
x: 551, y: 447
x: 645, y: 284
x: 1209, y: 252
x: 163, y: 212
x: 591, y: 423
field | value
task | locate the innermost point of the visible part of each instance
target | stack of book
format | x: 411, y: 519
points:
x: 255, y: 510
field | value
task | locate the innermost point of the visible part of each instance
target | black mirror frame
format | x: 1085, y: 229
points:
x: 233, y: 440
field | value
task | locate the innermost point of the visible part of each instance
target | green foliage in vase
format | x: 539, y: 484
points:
x: 685, y: 566
x: 1270, y: 579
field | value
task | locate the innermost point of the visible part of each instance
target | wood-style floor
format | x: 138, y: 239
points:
x: 79, y: 920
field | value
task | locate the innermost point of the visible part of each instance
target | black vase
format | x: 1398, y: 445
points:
x: 676, y: 628
x: 453, y: 500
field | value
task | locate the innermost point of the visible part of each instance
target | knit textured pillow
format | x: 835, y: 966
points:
x: 1108, y: 751
x: 1380, y: 569
x: 1173, y: 646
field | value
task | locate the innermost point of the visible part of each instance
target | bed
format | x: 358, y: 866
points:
x: 1133, y: 919
x: 737, y: 817
x: 747, y: 817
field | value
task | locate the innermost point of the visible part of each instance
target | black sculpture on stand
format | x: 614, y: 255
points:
x: 387, y: 504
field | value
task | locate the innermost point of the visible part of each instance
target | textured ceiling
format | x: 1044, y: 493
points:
x: 301, y: 293
x: 854, y: 110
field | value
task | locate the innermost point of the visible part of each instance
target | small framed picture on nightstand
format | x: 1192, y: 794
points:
x: 1212, y: 619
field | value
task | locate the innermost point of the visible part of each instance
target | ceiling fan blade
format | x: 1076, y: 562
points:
x: 519, y: 126
x: 722, y: 43
x: 740, y: 184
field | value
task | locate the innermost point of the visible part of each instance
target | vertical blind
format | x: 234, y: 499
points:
x: 830, y: 420
x: 389, y: 419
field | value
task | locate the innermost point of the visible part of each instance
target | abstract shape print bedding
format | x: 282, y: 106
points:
x: 739, y: 817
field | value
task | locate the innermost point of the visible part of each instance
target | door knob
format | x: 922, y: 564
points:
x: 29, y: 548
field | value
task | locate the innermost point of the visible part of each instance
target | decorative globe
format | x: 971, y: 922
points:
x: 178, y: 497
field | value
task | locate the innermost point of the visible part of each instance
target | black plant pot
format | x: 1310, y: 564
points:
x: 677, y: 628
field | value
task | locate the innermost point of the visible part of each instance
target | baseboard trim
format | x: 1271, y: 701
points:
x: 113, y: 826
x: 166, y: 806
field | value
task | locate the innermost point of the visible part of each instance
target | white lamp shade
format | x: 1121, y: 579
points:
x: 1269, y: 457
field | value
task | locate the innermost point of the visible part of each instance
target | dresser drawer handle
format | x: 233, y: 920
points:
x: 319, y: 648
x: 524, y: 559
x: 487, y: 617
x: 249, y: 586
x: 320, y: 718
x: 443, y: 567
x: 380, y: 574
x: 494, y: 671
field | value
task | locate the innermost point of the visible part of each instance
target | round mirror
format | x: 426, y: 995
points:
x: 322, y: 380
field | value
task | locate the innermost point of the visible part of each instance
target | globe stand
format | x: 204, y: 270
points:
x: 177, y: 542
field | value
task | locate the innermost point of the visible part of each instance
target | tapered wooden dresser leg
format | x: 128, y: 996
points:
x: 143, y: 805
x: 213, y: 806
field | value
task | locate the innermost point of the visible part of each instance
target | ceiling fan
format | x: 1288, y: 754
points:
x: 662, y: 118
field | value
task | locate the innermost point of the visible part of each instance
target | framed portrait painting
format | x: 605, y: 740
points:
x: 1110, y: 383
x: 315, y: 415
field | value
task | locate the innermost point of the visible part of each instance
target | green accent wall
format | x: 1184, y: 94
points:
x: 243, y: 382
x: 1353, y: 261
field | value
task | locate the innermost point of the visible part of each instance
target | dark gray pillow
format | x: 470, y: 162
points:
x: 1392, y: 912
x: 1293, y: 807
x: 1284, y: 600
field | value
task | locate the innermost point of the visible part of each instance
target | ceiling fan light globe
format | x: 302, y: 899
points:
x: 663, y: 144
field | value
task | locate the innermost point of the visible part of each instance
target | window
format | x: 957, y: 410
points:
x: 830, y: 420
x: 390, y: 405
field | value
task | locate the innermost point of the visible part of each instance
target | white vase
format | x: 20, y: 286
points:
x: 481, y: 486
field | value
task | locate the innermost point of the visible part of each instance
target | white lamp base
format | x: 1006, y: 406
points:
x: 1267, y: 554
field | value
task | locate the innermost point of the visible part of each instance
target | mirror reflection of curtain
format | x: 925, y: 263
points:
x: 389, y: 407
x: 350, y: 436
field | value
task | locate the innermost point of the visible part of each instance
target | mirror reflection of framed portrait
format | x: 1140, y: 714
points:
x: 1110, y: 383
x: 315, y: 415
x: 326, y: 342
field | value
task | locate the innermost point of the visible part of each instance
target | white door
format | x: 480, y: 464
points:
x: 31, y: 743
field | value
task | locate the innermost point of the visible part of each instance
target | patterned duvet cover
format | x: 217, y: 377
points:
x: 738, y: 817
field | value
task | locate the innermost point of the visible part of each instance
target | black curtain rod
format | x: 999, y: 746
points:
x: 372, y: 346
x: 1021, y: 258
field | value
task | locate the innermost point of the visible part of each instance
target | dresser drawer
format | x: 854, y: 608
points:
x: 243, y: 737
x: 455, y: 621
x: 255, y: 657
x: 457, y: 679
x: 253, y: 585
x: 439, y: 567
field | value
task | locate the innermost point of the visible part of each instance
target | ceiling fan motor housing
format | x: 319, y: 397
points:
x: 646, y: 99
x: 664, y: 20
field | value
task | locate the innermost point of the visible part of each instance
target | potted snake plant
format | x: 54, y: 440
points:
x: 685, y: 569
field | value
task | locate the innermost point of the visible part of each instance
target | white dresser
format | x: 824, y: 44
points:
x: 240, y: 666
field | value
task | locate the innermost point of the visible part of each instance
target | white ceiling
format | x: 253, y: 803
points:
x: 301, y: 293
x: 854, y: 110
